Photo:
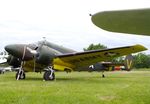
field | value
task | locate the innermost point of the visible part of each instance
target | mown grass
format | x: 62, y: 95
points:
x: 77, y: 88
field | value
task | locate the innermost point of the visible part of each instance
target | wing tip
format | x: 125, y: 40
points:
x: 140, y: 47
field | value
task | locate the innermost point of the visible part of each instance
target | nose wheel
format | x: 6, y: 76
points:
x: 20, y: 75
x: 49, y: 75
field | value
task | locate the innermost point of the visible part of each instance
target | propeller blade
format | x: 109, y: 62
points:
x: 34, y: 52
x: 125, y: 21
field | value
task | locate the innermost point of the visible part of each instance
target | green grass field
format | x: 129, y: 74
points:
x: 77, y: 88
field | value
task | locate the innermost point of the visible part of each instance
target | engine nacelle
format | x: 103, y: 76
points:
x: 45, y: 55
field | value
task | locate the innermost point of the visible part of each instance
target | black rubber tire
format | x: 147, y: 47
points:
x: 20, y: 77
x: 47, y: 74
x: 103, y: 76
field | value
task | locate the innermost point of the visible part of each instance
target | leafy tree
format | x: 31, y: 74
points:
x: 95, y: 47
x: 118, y: 59
x: 142, y: 60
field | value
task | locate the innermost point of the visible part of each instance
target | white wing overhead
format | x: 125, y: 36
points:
x: 3, y: 57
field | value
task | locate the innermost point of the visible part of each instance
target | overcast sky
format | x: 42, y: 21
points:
x: 64, y: 22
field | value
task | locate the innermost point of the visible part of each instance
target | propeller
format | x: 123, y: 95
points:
x: 35, y: 52
x: 35, y: 55
x: 124, y: 21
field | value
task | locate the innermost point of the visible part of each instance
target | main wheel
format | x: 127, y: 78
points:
x: 47, y: 75
x: 21, y: 76
x: 103, y: 76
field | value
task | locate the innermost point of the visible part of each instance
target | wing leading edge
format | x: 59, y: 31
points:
x: 79, y: 59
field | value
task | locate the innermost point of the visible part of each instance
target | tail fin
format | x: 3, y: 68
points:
x: 128, y: 62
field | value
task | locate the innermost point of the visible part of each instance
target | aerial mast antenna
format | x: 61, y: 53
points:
x: 44, y: 40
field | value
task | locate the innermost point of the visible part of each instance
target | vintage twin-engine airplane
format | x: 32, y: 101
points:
x: 125, y: 65
x: 43, y: 54
x: 135, y: 21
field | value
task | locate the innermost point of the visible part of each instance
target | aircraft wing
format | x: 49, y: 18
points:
x: 79, y: 59
x: 124, y: 21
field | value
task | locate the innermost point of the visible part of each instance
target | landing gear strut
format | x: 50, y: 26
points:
x: 49, y: 74
x: 20, y: 75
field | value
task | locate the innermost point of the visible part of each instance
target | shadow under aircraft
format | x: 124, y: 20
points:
x: 50, y: 57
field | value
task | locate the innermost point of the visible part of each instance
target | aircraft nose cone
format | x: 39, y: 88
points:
x: 19, y: 51
x: 10, y: 49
